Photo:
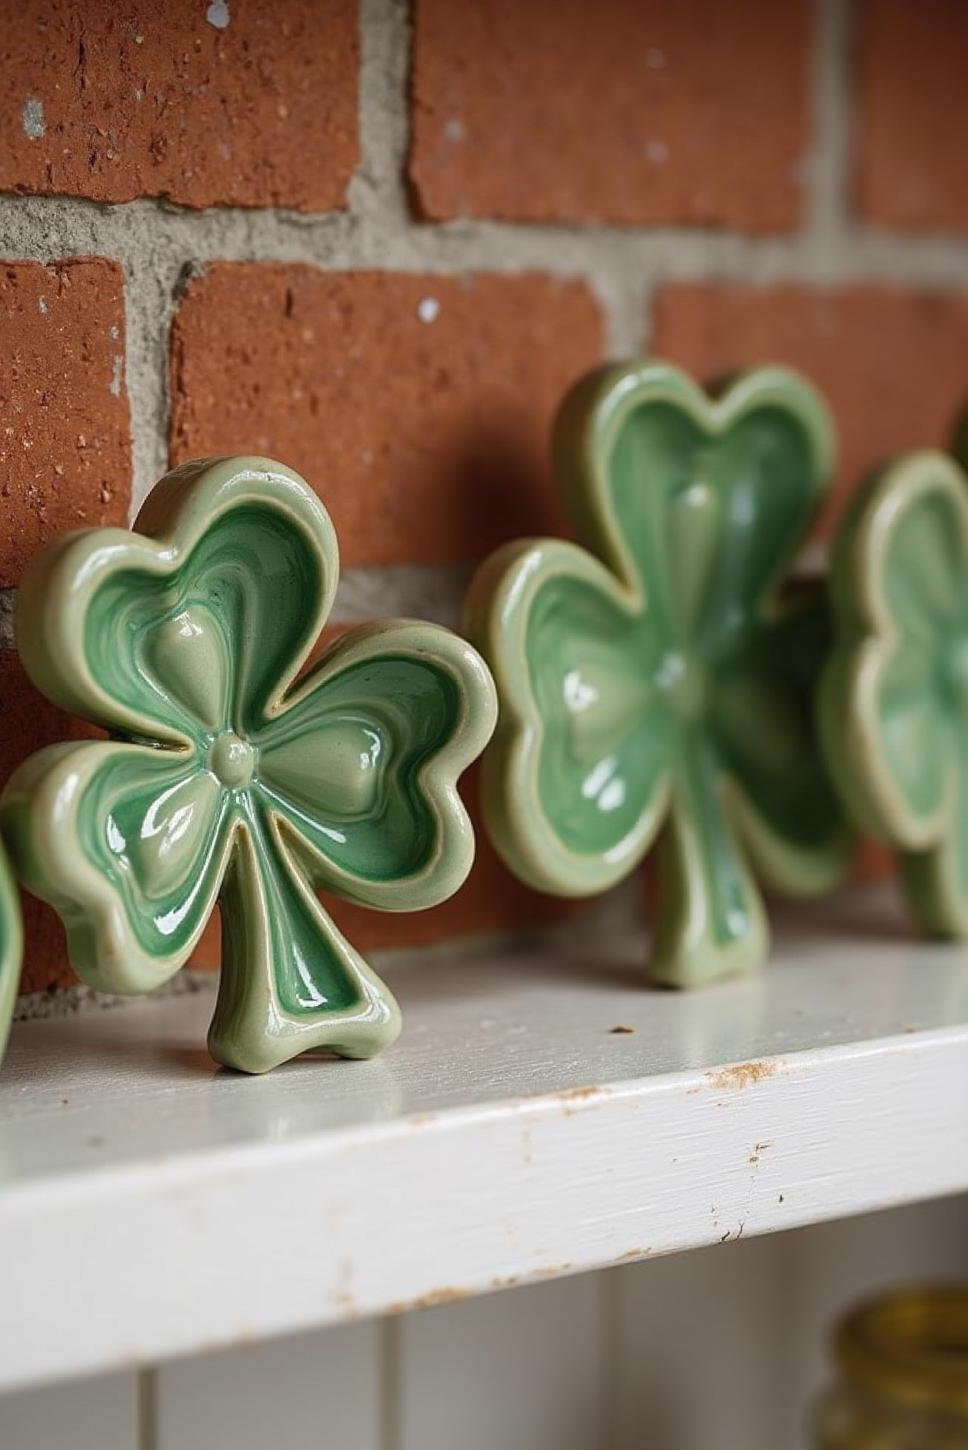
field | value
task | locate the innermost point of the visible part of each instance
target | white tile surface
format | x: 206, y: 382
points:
x: 519, y: 1370
x: 316, y: 1391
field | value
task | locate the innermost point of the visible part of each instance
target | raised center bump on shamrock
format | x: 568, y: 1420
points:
x: 228, y: 778
x: 655, y: 680
x: 894, y: 697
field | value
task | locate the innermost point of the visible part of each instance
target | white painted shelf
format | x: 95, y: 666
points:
x: 153, y: 1206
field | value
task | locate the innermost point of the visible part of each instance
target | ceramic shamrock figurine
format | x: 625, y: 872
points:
x: 229, y: 779
x: 654, y: 681
x: 894, y: 699
x: 11, y: 947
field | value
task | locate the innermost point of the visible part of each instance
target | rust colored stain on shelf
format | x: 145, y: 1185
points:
x: 433, y: 1299
x: 741, y: 1075
x: 574, y: 1098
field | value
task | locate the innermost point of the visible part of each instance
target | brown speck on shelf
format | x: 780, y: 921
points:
x: 95, y: 1142
x: 621, y: 1031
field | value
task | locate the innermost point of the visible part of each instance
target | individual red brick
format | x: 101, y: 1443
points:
x: 627, y: 111
x: 892, y: 361
x: 28, y: 721
x: 419, y: 407
x: 233, y: 103
x: 913, y: 120
x: 65, y: 448
x: 873, y: 861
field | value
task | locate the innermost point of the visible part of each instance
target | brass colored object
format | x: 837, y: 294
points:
x: 903, y: 1362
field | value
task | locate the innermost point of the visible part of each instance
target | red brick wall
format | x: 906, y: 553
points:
x: 380, y: 251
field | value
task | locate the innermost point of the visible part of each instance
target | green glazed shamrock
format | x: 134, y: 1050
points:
x: 655, y: 678
x: 11, y: 947
x: 894, y: 695
x: 228, y: 778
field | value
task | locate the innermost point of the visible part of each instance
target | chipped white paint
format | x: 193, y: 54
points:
x: 581, y: 1362
x: 657, y: 152
x: 117, y: 368
x: 757, y: 1319
x: 428, y: 309
x: 218, y: 15
x: 32, y: 118
x: 42, y: 307
x: 454, y: 129
x: 509, y: 1092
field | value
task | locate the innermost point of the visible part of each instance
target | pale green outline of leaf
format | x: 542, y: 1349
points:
x: 850, y: 687
x: 584, y: 434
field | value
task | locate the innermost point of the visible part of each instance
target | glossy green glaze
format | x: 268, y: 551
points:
x: 11, y: 947
x: 228, y: 778
x: 894, y: 698
x: 654, y: 679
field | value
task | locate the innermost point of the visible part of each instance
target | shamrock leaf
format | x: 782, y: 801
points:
x: 894, y: 697
x: 655, y: 681
x: 11, y: 947
x: 225, y: 780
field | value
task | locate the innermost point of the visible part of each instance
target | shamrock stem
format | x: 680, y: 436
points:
x: 711, y: 918
x: 290, y: 980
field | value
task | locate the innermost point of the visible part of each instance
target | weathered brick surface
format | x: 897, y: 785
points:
x: 912, y: 120
x: 419, y: 407
x: 628, y: 111
x: 64, y: 431
x: 891, y: 361
x: 249, y: 104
